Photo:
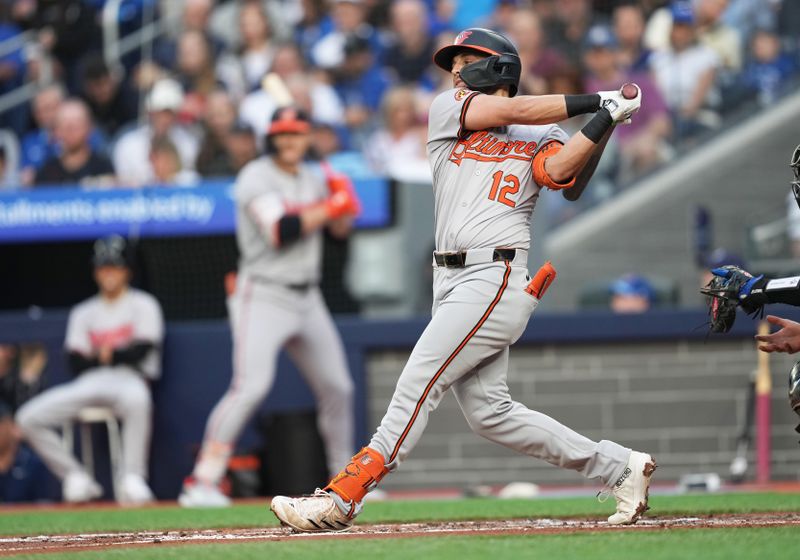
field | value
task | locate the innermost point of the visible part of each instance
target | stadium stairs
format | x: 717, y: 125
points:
x: 741, y: 174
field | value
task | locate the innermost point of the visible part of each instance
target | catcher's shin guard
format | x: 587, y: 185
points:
x: 362, y: 474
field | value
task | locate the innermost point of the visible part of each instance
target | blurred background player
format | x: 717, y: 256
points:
x: 113, y: 345
x: 283, y: 204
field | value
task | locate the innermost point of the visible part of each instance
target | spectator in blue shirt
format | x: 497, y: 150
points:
x: 769, y: 69
x: 360, y: 84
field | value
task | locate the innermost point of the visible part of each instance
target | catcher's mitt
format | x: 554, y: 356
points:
x: 730, y: 287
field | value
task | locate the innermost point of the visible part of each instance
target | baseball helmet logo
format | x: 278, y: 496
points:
x: 463, y: 36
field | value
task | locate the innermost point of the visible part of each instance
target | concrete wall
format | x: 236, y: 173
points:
x: 682, y: 401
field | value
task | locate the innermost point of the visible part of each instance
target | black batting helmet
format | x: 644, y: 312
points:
x: 287, y: 120
x: 501, y: 67
x: 111, y: 251
x: 794, y: 163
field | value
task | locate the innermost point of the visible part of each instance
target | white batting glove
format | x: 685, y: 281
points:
x: 620, y: 108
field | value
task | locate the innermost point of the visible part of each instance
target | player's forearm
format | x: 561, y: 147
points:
x: 341, y: 227
x: 490, y: 111
x: 78, y: 363
x: 313, y: 218
x: 783, y: 290
x: 571, y: 160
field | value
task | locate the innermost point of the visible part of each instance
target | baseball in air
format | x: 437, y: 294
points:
x: 629, y: 91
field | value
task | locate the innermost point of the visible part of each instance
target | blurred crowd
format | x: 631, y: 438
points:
x: 188, y: 104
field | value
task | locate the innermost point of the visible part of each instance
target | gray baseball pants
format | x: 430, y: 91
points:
x: 264, y: 319
x: 478, y: 312
x: 125, y: 392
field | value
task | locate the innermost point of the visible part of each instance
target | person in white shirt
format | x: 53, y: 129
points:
x: 132, y: 151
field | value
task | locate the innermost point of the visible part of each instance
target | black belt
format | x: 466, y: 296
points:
x: 459, y: 259
x: 304, y: 287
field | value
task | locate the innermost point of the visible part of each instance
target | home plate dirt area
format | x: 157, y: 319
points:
x: 60, y: 543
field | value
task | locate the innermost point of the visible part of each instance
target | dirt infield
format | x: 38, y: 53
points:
x: 59, y: 543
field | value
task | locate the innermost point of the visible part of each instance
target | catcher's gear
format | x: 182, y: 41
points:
x: 502, y: 67
x: 730, y: 287
x: 794, y: 163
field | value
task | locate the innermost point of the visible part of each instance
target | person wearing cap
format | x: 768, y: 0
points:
x: 685, y: 72
x: 132, y: 150
x: 643, y: 143
x: 631, y: 293
x: 283, y: 204
x: 113, y: 345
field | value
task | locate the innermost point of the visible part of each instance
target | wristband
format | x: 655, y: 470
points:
x: 582, y: 104
x: 598, y: 126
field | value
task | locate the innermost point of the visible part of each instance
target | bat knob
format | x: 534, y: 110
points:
x: 629, y: 91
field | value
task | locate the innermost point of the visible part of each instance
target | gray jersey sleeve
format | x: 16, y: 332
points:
x: 259, y: 200
x: 447, y: 113
x: 77, y: 338
x: 149, y: 325
x: 554, y: 133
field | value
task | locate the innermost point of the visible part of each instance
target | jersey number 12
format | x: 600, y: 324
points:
x: 510, y: 187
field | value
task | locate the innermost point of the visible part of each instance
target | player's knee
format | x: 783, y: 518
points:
x: 136, y: 402
x: 342, y: 390
x: 26, y: 419
x: 484, y: 420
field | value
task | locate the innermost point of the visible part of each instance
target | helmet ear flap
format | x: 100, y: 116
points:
x: 487, y: 74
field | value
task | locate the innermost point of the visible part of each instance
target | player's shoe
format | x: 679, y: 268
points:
x: 197, y: 494
x: 79, y: 487
x: 631, y: 490
x: 134, y: 491
x: 311, y: 514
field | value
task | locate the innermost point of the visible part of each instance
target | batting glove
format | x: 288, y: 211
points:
x: 620, y: 108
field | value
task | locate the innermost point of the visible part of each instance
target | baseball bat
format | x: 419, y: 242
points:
x: 628, y: 91
x: 763, y: 412
x: 274, y: 85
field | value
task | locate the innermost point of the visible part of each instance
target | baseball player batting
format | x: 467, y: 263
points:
x: 490, y: 154
x: 113, y: 344
x: 282, y: 205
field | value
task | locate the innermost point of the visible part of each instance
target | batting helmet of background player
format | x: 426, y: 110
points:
x: 795, y: 165
x: 111, y: 251
x: 501, y: 68
x: 287, y: 120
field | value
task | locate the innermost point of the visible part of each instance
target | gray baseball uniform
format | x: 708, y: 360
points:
x: 277, y: 304
x: 134, y: 317
x: 484, y: 195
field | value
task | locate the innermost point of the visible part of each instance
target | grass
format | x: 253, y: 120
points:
x: 61, y: 521
x: 764, y: 543
x: 718, y: 544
